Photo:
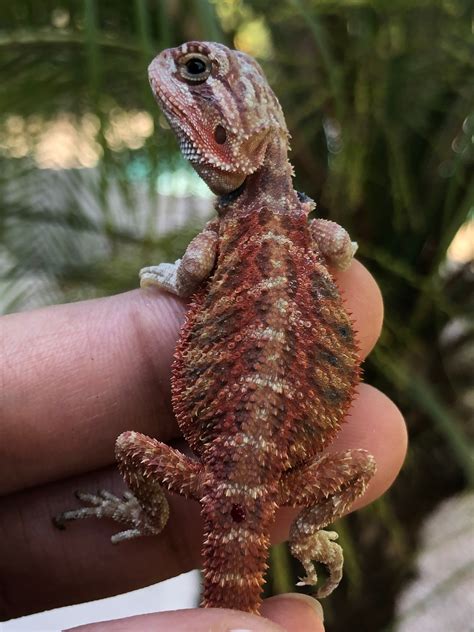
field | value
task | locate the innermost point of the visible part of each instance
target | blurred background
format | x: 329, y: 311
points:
x: 379, y: 99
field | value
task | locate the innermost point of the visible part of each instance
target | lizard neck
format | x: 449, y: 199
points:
x: 269, y: 186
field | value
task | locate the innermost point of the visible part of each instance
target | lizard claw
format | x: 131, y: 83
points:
x: 320, y: 547
x: 104, y: 504
x: 162, y: 276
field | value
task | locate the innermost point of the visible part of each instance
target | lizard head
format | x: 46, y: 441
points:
x: 221, y: 108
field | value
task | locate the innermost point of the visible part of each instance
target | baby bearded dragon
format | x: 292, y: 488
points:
x: 266, y: 364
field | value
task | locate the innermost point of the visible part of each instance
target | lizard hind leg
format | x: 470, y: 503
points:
x: 127, y: 510
x: 326, y: 488
x: 146, y: 465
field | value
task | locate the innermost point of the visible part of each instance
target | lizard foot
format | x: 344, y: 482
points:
x: 320, y: 547
x: 125, y: 510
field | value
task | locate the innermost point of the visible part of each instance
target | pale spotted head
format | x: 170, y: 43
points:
x: 221, y: 108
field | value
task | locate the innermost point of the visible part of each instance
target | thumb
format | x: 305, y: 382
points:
x: 284, y: 613
x: 294, y: 612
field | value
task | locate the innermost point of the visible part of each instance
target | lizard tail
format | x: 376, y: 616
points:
x: 236, y: 543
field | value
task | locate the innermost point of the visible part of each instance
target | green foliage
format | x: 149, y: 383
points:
x: 379, y: 100
x: 76, y: 75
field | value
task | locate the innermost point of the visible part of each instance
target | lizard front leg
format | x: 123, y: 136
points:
x: 184, y: 275
x: 326, y: 488
x: 333, y: 242
x: 146, y: 464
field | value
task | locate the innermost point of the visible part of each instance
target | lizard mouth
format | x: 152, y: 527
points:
x: 189, y: 128
x: 188, y: 147
x: 179, y: 121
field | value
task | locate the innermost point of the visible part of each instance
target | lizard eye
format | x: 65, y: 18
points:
x: 195, y: 68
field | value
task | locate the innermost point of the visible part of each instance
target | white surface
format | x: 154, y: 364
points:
x: 441, y: 598
x: 176, y: 593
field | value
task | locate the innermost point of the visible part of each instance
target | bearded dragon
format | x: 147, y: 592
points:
x: 267, y: 361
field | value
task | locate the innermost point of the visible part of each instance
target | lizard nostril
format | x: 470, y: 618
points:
x: 220, y: 134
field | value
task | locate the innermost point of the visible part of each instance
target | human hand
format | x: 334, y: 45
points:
x: 73, y: 378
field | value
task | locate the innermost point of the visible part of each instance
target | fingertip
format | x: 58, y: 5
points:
x: 364, y: 301
x: 375, y: 424
x: 198, y: 620
x: 295, y: 612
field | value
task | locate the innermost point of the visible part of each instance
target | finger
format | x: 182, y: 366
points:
x: 295, y: 611
x: 204, y: 620
x: 285, y: 613
x: 76, y: 376
x: 363, y: 300
x: 290, y: 613
x: 48, y: 568
x: 375, y: 424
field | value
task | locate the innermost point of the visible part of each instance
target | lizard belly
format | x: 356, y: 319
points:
x: 266, y: 348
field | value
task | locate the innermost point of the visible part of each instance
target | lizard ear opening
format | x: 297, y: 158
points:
x: 220, y: 134
x: 254, y: 149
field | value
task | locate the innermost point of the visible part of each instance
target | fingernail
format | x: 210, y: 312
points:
x: 313, y: 603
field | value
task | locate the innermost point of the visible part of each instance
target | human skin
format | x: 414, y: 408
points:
x: 76, y: 376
